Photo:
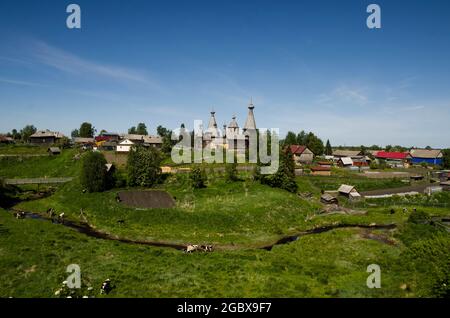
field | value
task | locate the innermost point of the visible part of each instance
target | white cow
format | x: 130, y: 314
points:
x: 191, y: 248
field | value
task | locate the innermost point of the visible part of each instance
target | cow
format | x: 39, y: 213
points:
x: 61, y: 217
x: 19, y: 215
x: 206, y: 248
x: 191, y: 248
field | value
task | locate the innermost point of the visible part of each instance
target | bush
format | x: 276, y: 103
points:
x: 143, y: 166
x: 231, y: 173
x: 93, y: 172
x: 284, y: 178
x: 428, y: 262
x: 198, y: 178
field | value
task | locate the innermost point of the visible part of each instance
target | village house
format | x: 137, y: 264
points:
x: 327, y: 198
x: 349, y: 192
x: 45, y: 137
x: 6, y: 140
x: 345, y: 162
x: 108, y: 136
x: 301, y: 154
x: 145, y: 140
x: 393, y: 159
x: 325, y: 163
x: 321, y: 171
x: 85, y: 143
x: 338, y: 153
x: 125, y: 145
x: 429, y: 156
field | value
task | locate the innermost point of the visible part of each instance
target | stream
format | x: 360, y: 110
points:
x: 88, y: 230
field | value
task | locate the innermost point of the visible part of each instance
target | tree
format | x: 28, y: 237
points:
x: 141, y: 129
x: 132, y: 130
x: 161, y: 131
x: 301, y: 138
x: 291, y: 139
x: 167, y: 142
x: 86, y: 130
x: 75, y: 133
x: 93, y: 172
x: 27, y: 131
x: 328, y: 149
x: 143, y: 166
x: 315, y: 144
x: 446, y: 158
x: 363, y: 150
x: 198, y: 178
x: 284, y: 178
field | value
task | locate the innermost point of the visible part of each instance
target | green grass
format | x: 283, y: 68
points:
x: 329, y: 183
x: 22, y: 149
x: 35, y: 254
x: 237, y: 217
x: 62, y: 165
x: 228, y: 213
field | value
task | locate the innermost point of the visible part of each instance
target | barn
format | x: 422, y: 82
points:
x: 429, y: 156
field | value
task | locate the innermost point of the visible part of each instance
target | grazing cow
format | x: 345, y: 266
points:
x: 106, y: 287
x: 206, y: 248
x: 191, y: 248
x: 19, y: 215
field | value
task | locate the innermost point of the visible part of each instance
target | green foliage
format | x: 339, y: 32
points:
x: 93, y: 172
x: 198, y: 177
x: 419, y: 217
x: 315, y: 144
x: 27, y: 131
x: 86, y: 130
x: 140, y: 130
x: 428, y: 261
x: 291, y: 139
x: 75, y: 133
x: 284, y: 178
x: 231, y: 173
x: 143, y: 166
x: 446, y: 158
x: 328, y: 149
x: 301, y: 138
x: 63, y: 143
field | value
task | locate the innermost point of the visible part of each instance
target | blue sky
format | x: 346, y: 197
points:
x: 311, y: 65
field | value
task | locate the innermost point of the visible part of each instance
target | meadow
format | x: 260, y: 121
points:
x: 238, y: 218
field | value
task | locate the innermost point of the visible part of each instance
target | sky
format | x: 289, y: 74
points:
x: 307, y: 65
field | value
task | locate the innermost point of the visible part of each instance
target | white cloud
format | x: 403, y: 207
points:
x: 71, y: 63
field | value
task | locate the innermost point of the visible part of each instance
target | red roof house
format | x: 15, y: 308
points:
x: 301, y: 154
x: 392, y: 155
